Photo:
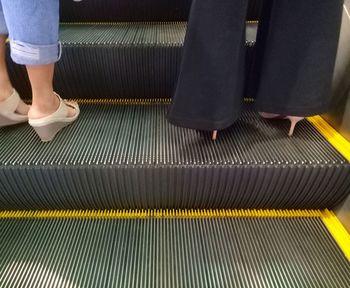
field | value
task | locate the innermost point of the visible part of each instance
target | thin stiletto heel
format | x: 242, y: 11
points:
x: 293, y: 122
x: 214, y: 135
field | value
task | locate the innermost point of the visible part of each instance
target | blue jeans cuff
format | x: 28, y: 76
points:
x: 3, y: 27
x: 30, y: 54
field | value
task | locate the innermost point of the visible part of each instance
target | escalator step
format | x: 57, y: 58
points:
x: 129, y: 156
x: 135, y: 10
x: 125, y: 10
x: 120, y: 60
x: 165, y: 252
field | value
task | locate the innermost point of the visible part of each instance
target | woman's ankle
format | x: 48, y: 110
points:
x: 43, y: 106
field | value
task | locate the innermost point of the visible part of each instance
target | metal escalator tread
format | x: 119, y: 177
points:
x: 129, y: 156
x: 215, y: 252
x: 119, y: 60
x: 123, y: 34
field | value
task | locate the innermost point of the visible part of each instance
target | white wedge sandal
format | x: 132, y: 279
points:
x: 8, y: 114
x: 49, y: 126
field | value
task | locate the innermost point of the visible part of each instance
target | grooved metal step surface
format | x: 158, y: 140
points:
x: 233, y: 252
x: 129, y: 156
x: 120, y: 60
x: 135, y: 10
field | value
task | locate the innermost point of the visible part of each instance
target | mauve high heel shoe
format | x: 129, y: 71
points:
x: 293, y: 120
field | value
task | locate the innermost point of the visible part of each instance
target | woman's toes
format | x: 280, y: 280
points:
x: 71, y: 112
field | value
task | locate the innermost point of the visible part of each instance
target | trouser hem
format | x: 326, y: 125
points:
x: 30, y: 54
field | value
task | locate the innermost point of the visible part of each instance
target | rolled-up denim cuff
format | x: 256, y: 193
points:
x: 29, y: 54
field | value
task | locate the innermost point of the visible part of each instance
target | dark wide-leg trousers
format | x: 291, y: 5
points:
x: 296, y: 50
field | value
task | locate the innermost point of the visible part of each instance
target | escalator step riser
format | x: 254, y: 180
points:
x: 124, y: 60
x: 135, y: 10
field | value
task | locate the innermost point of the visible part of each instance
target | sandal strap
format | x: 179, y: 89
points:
x: 60, y: 114
x: 62, y: 110
x: 70, y: 104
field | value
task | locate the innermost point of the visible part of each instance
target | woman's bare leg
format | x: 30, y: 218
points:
x: 6, y: 88
x: 44, y: 100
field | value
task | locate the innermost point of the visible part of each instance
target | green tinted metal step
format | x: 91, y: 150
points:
x: 129, y: 156
x: 119, y: 60
x: 170, y: 252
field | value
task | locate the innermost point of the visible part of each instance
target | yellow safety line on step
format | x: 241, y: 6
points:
x: 151, y: 101
x: 332, y: 136
x: 122, y: 23
x: 166, y: 213
x: 332, y: 223
x: 338, y: 231
x: 122, y: 101
x: 133, y: 22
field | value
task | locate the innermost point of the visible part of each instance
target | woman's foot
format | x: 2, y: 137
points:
x: 271, y: 115
x: 22, y: 107
x: 48, y: 107
x: 12, y: 109
x: 293, y: 120
x: 51, y: 122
